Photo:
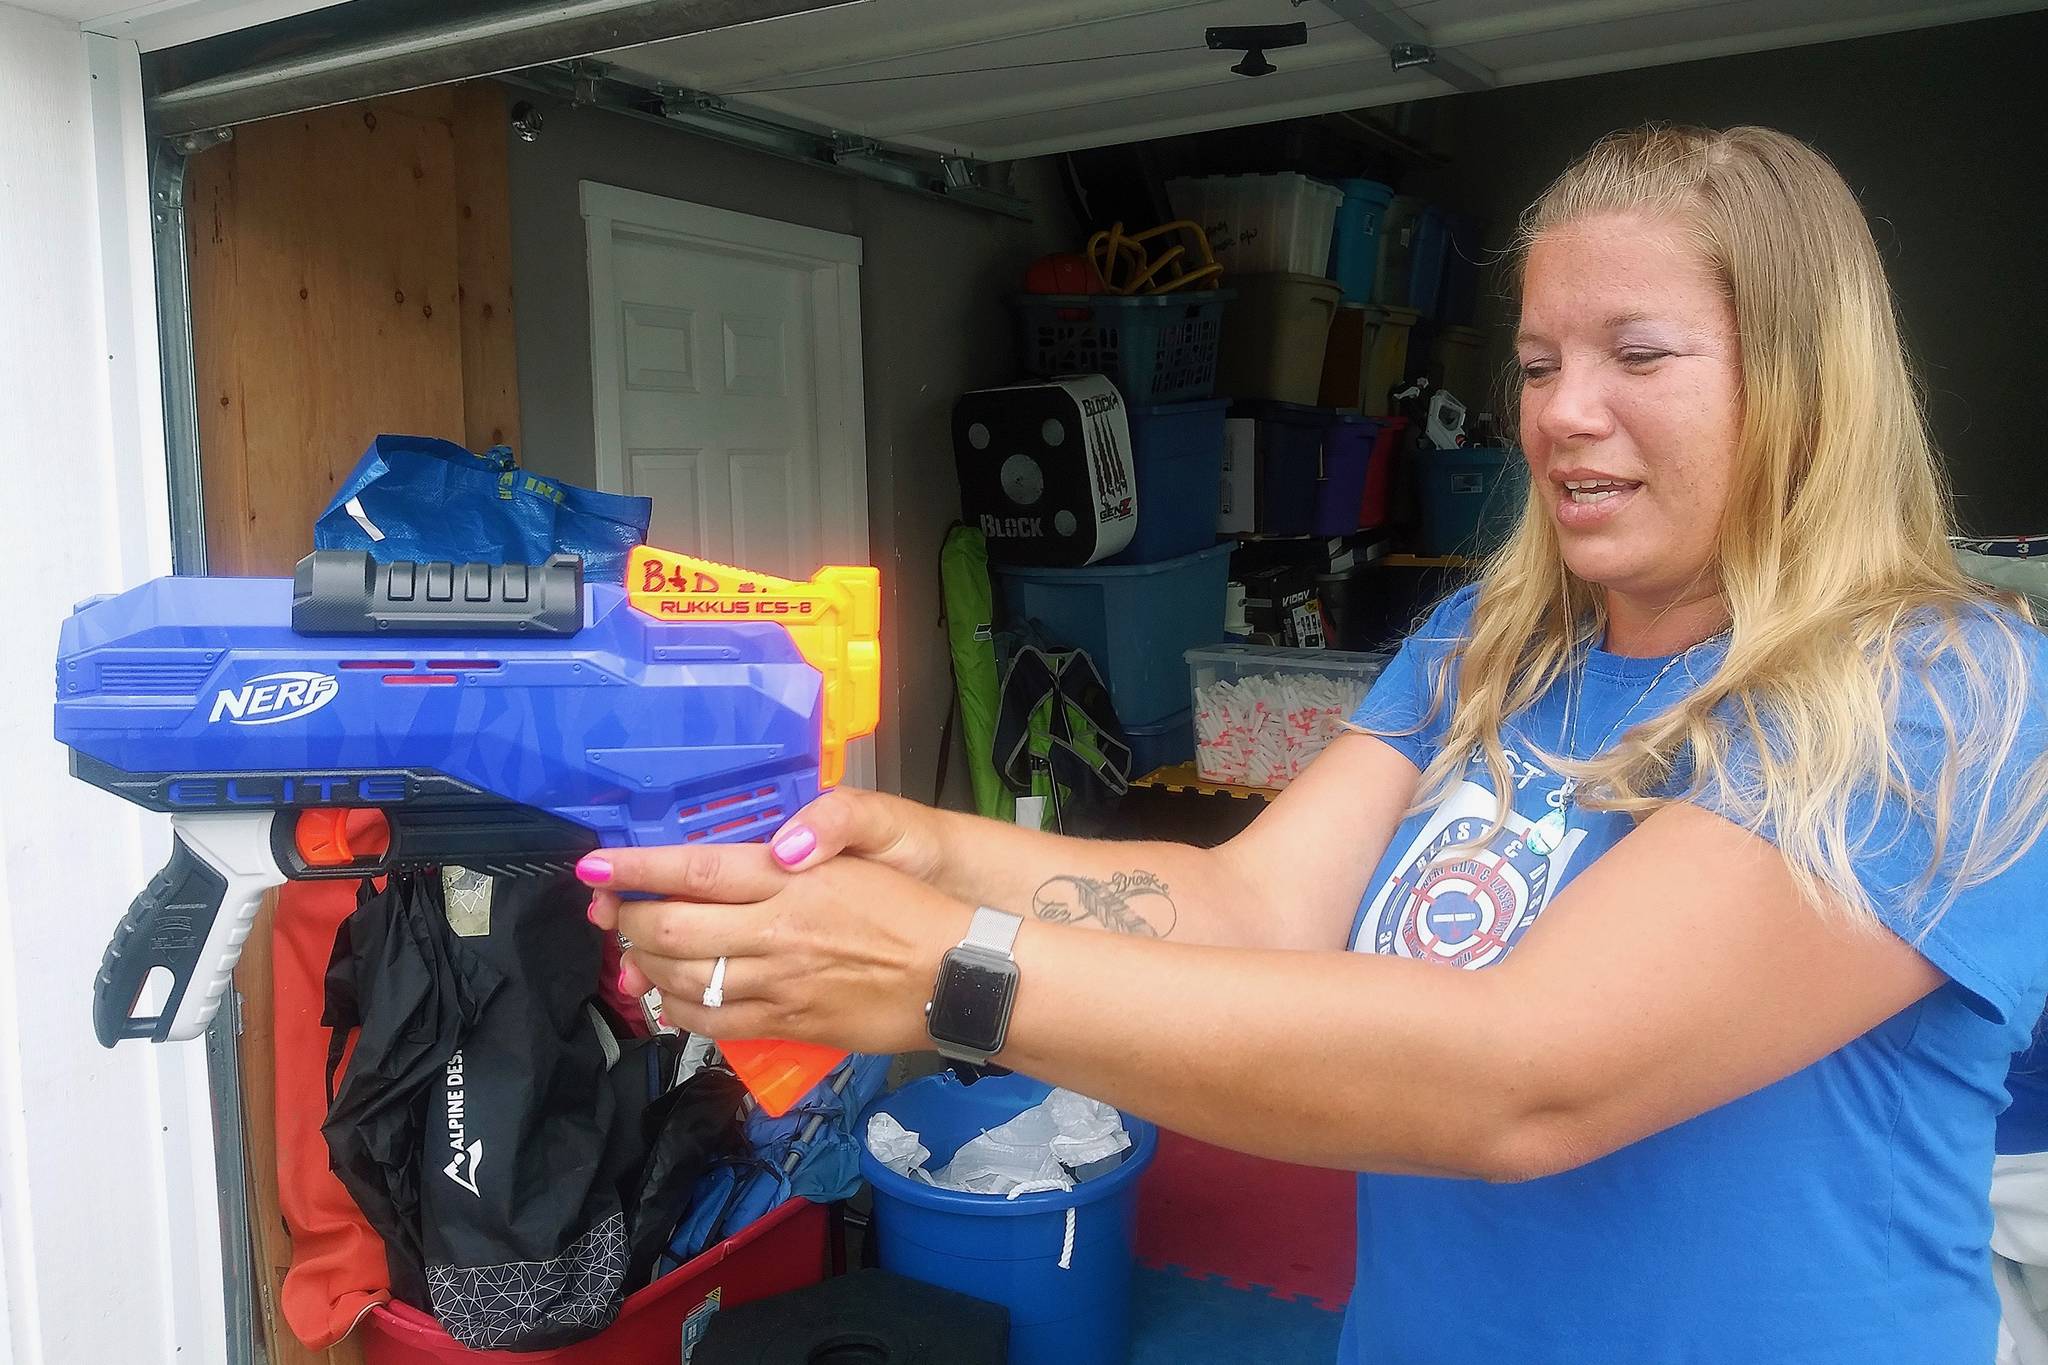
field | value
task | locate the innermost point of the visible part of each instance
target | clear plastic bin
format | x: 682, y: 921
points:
x: 1263, y: 712
x: 1260, y: 224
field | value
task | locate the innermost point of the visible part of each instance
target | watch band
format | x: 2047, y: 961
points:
x: 994, y: 930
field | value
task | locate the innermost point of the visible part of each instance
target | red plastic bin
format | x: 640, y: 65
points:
x: 785, y: 1250
x: 1379, y: 473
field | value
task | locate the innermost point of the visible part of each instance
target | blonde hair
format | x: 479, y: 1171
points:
x: 1833, y: 559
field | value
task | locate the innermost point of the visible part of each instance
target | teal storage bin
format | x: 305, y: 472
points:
x: 1059, y: 1260
x: 1355, y: 244
x: 1471, y: 498
x: 1136, y: 621
x: 1177, y: 456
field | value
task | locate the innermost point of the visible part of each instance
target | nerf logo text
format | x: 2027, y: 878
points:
x: 274, y: 697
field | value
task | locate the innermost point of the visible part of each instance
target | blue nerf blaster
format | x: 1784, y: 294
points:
x: 504, y: 718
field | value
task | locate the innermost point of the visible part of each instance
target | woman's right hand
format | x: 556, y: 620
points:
x: 890, y: 830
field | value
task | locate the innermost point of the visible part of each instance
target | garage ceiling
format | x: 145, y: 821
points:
x: 1022, y: 78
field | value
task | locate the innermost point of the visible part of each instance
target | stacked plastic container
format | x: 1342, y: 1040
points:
x: 1177, y: 454
x: 1155, y: 348
x: 1135, y: 621
x: 1278, y: 333
x: 1272, y: 235
x: 1471, y: 498
x: 1303, y: 471
x: 1261, y: 224
x: 1263, y: 713
x: 1426, y: 262
x: 1459, y: 355
x: 1366, y: 358
x: 1355, y: 241
x: 1136, y: 612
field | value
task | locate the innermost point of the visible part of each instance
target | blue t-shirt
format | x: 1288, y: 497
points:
x: 1836, y: 1217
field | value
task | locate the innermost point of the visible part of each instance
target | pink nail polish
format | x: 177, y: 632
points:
x: 594, y: 869
x: 624, y: 988
x: 795, y: 846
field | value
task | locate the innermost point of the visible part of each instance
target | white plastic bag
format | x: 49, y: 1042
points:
x: 1037, y: 1150
x: 896, y: 1146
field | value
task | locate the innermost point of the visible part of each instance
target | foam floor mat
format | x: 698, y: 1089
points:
x: 1287, y: 1231
x: 1178, y: 1319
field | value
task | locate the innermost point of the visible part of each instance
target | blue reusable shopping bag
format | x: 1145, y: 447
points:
x: 420, y: 498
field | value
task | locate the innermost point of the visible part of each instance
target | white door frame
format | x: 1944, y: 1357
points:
x: 832, y: 261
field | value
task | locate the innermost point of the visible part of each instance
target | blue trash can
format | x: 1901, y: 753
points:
x: 1010, y: 1251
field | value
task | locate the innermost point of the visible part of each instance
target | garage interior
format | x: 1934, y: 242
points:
x: 418, y: 261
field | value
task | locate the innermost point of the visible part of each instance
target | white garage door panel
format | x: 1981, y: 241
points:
x: 1033, y: 76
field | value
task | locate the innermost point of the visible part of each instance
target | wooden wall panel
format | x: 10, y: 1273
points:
x: 331, y: 240
x: 351, y: 275
x: 483, y: 227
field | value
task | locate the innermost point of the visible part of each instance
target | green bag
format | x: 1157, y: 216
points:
x: 970, y: 633
x: 1057, y: 734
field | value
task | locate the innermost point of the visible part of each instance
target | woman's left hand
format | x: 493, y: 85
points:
x: 844, y: 953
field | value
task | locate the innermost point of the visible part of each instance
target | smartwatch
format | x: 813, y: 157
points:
x: 969, y: 1012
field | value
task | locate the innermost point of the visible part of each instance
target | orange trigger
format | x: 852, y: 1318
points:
x: 322, y: 837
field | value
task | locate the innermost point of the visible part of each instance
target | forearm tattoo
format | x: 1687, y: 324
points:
x: 1127, y: 903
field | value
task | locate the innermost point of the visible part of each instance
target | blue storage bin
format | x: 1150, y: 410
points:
x: 1136, y: 621
x: 1287, y: 453
x: 1426, y: 264
x: 1355, y: 244
x: 1458, y: 305
x: 1471, y: 498
x: 1009, y: 1251
x: 1177, y: 452
x: 1155, y: 348
x: 1162, y: 743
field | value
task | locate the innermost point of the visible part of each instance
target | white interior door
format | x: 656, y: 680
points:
x: 726, y: 371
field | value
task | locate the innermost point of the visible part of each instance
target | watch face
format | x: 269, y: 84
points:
x: 972, y: 1004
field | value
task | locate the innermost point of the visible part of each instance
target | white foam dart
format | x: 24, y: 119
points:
x: 1264, y: 730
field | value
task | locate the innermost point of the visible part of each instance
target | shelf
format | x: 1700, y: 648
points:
x: 1182, y: 777
x: 1425, y: 562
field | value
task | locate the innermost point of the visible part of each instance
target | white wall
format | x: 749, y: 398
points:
x: 108, y: 1246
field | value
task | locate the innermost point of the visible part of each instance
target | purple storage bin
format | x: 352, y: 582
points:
x: 1347, y: 455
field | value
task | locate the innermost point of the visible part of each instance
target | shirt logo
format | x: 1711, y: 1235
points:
x: 1461, y: 906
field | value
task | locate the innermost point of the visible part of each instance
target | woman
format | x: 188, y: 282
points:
x: 1725, y: 776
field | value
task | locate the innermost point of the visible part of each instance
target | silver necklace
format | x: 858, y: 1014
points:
x: 1547, y: 835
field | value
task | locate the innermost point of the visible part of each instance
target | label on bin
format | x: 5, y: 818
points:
x: 699, y: 1322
